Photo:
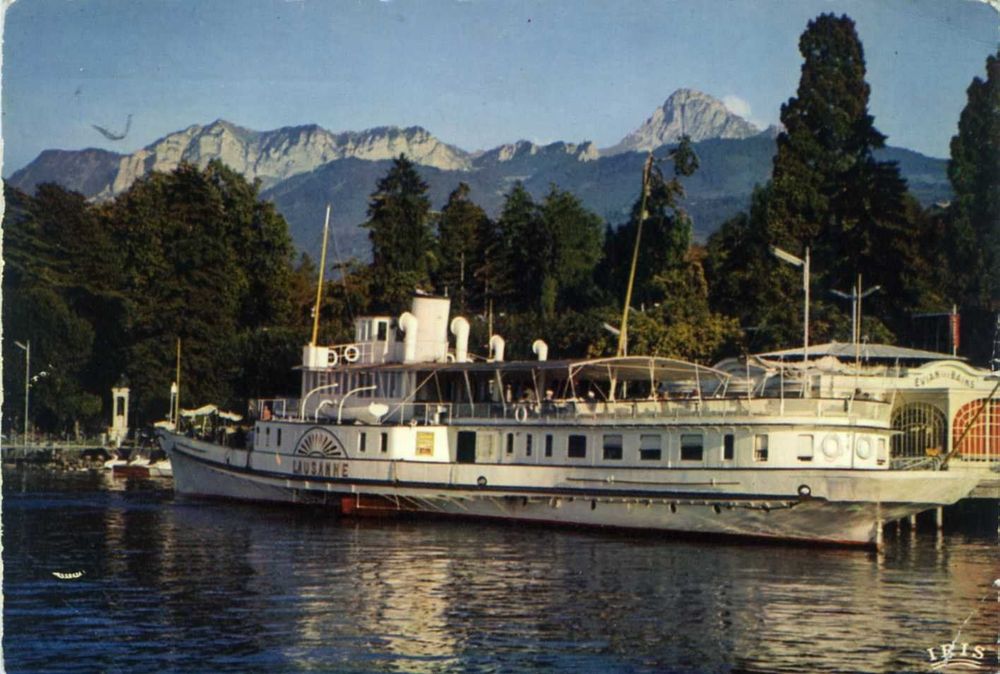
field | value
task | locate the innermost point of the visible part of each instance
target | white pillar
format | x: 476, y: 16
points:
x: 119, y: 415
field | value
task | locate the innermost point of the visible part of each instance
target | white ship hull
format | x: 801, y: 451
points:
x: 843, y: 507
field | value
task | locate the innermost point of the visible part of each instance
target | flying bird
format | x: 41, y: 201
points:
x: 111, y: 135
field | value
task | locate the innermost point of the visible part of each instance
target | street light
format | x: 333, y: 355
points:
x: 26, y: 347
x: 856, y: 296
x: 804, y: 263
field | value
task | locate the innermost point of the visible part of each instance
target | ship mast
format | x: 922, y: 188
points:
x: 319, y: 286
x: 623, y: 334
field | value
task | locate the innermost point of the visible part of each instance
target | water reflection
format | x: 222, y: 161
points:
x: 190, y: 586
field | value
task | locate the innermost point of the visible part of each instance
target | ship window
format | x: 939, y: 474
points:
x: 548, y: 444
x: 650, y: 448
x: 267, y: 437
x: 576, y: 447
x: 883, y: 452
x: 278, y: 441
x: 728, y: 446
x: 381, y: 331
x: 612, y: 447
x: 383, y: 445
x: 527, y: 444
x: 362, y: 442
x: 805, y: 448
x: 760, y: 448
x: 692, y: 447
x: 510, y: 443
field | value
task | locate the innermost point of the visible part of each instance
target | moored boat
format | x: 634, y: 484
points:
x: 157, y: 464
x: 402, y: 421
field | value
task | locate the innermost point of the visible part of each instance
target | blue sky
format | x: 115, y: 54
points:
x: 475, y: 73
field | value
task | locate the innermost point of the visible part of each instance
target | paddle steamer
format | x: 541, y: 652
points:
x: 406, y: 420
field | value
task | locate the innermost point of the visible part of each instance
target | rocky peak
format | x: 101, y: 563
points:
x: 273, y: 156
x: 584, y: 151
x: 689, y: 112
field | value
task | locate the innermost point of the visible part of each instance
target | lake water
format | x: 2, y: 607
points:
x: 174, y: 585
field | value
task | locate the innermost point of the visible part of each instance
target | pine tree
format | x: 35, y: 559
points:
x: 402, y: 242
x: 459, y: 227
x: 570, y: 239
x: 827, y: 193
x: 519, y: 264
x: 974, y: 172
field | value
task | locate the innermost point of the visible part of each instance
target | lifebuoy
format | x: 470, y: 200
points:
x: 351, y: 354
x: 863, y: 449
x: 831, y: 446
x: 332, y: 358
x: 521, y: 413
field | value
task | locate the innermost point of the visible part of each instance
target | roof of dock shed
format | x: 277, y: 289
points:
x: 870, y: 352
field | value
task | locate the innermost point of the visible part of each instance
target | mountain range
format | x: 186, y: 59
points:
x: 302, y: 168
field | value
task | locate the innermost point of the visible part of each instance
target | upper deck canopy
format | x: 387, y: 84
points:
x: 627, y: 368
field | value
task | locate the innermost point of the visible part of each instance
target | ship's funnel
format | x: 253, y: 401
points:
x: 460, y: 328
x: 432, y: 334
x: 496, y: 348
x: 540, y: 349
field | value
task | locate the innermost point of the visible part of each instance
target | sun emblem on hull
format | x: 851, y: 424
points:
x: 320, y: 443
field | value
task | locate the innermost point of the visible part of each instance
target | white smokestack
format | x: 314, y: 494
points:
x: 496, y: 347
x: 460, y: 328
x: 540, y: 349
x: 408, y: 324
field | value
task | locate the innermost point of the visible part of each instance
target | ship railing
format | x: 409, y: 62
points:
x: 361, y: 353
x: 583, y: 410
x: 266, y: 409
x: 564, y: 410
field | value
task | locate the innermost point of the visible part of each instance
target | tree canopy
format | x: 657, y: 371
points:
x: 103, y: 292
x: 830, y: 194
x: 400, y: 231
x: 973, y: 244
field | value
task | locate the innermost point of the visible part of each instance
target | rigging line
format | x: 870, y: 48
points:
x: 343, y: 274
x: 987, y: 402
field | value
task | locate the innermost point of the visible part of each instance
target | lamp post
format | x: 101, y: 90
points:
x: 804, y: 263
x: 26, y: 347
x: 856, y: 296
